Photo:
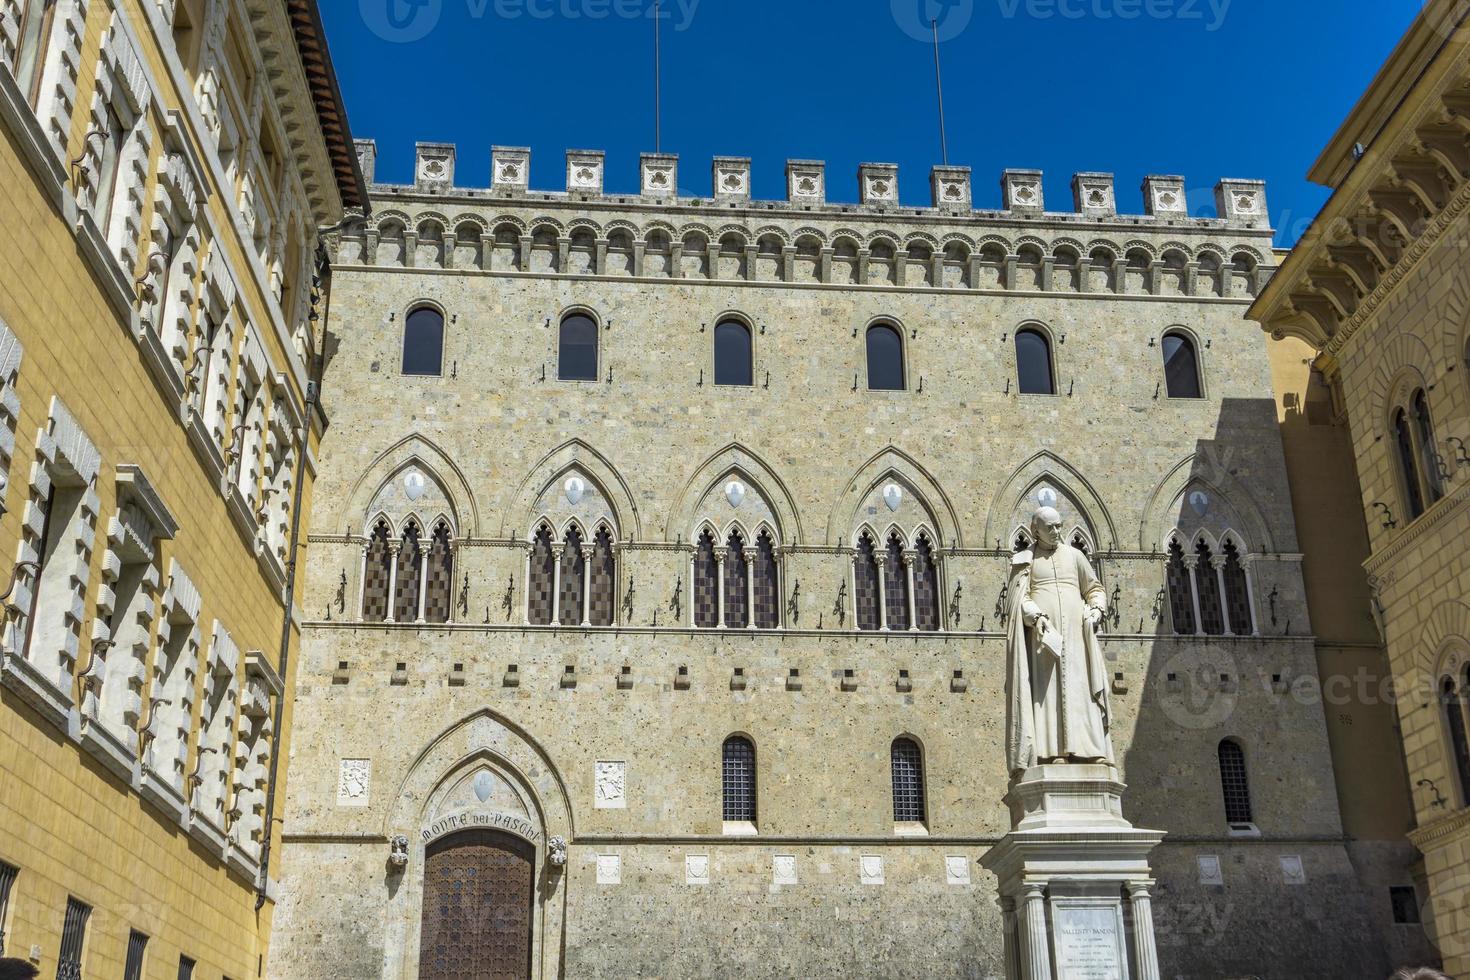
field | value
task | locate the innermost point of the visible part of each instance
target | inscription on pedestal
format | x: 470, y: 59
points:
x: 1089, y: 942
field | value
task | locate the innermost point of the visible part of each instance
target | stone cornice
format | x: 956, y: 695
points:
x: 1452, y: 504
x: 1434, y: 834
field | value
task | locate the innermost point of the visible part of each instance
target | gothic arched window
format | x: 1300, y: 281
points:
x: 1454, y: 716
x: 570, y: 610
x: 541, y: 579
x: 1428, y: 448
x: 895, y: 585
x: 737, y: 583
x: 908, y: 782
x: 1033, y: 363
x: 423, y: 342
x: 577, y: 351
x: 377, y: 571
x: 734, y: 360
x: 1408, y: 463
x: 706, y: 583
x: 1237, y: 592
x: 885, y: 358
x: 738, y: 779
x: 927, y: 616
x: 439, y: 583
x: 1207, y: 586
x: 1181, y: 367
x: 1235, y: 785
x: 408, y: 585
x: 1181, y: 593
x: 766, y: 586
x: 602, y: 579
x: 865, y: 581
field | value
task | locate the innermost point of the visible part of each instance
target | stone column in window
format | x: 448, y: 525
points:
x: 526, y: 587
x: 1038, y: 950
x: 1144, y: 949
x: 880, y: 561
x: 557, y: 550
x: 1218, y: 561
x: 750, y: 554
x: 362, y: 577
x: 1248, y: 568
x: 424, y: 577
x: 788, y: 263
x: 587, y: 552
x: 824, y: 272
x: 1191, y: 562
x: 393, y: 547
x: 720, y: 589
x: 693, y: 577
x: 908, y: 565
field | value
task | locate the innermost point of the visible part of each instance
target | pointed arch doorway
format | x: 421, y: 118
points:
x: 478, y: 898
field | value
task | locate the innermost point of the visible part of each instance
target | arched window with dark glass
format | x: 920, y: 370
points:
x: 927, y: 614
x: 1429, y: 457
x: 896, y: 585
x: 1207, y: 583
x: 409, y: 584
x: 865, y: 581
x: 423, y: 342
x: 377, y: 570
x: 541, y: 582
x: 439, y: 584
x: 1454, y: 716
x: 706, y: 583
x: 908, y: 782
x: 1235, y: 785
x: 1033, y: 363
x: 766, y: 586
x: 602, y: 579
x: 570, y: 606
x: 1181, y: 367
x: 885, y: 358
x: 1237, y: 592
x: 577, y: 350
x: 1408, y: 464
x: 1181, y: 593
x: 738, y: 780
x: 734, y: 361
x: 736, y: 582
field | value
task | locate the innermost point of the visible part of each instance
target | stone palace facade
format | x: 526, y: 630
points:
x: 656, y: 575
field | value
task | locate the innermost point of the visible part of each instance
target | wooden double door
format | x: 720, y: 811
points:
x: 479, y: 890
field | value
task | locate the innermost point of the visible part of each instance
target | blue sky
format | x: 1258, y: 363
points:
x: 1203, y: 88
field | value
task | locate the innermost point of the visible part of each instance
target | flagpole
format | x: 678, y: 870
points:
x: 939, y: 85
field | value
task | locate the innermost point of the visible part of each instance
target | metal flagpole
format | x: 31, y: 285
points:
x: 939, y: 85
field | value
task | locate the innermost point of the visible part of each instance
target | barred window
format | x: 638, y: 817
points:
x: 73, y: 940
x: 908, y: 782
x: 1234, y: 784
x: 541, y: 578
x: 865, y: 574
x: 706, y: 583
x: 1181, y: 593
x: 8, y: 873
x: 186, y: 968
x: 137, y: 943
x: 739, y: 779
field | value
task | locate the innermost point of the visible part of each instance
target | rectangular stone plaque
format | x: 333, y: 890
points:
x: 1089, y: 941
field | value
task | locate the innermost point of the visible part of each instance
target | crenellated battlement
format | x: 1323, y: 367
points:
x: 1240, y: 204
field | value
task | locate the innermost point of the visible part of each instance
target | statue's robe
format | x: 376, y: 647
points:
x: 1057, y: 709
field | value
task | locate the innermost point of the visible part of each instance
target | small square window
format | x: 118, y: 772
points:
x: 1405, y: 903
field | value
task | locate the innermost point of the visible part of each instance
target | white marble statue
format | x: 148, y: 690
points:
x: 1057, y: 681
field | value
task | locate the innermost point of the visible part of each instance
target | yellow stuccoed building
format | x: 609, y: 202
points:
x: 165, y: 168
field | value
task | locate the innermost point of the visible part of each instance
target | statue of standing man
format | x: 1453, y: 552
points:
x: 1057, y: 680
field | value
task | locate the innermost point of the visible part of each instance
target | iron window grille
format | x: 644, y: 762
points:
x: 1234, y: 784
x: 8, y: 873
x: 137, y: 943
x: 73, y: 939
x: 739, y: 780
x: 186, y: 968
x: 908, y: 782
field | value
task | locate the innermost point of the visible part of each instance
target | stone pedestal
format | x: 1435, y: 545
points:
x: 1075, y: 885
